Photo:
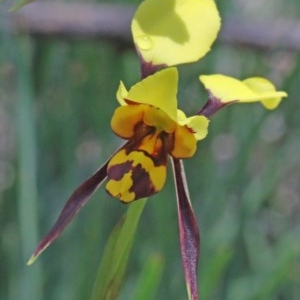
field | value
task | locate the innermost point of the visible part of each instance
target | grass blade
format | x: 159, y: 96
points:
x: 114, y: 261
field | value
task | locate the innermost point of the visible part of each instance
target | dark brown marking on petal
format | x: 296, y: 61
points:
x: 141, y: 130
x: 116, y: 172
x: 130, y: 102
x: 165, y: 143
x: 168, y: 140
x: 160, y: 159
x: 142, y: 184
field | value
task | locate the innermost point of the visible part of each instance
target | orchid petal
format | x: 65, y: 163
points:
x: 188, y: 229
x: 172, y: 32
x: 122, y: 93
x: 125, y: 118
x: 157, y: 90
x: 181, y: 116
x: 197, y: 124
x: 185, y: 143
x: 137, y: 170
x: 76, y: 201
x: 261, y: 85
x: 228, y: 89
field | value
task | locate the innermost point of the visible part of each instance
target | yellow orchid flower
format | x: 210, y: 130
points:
x: 166, y: 33
x: 149, y: 119
x: 172, y: 32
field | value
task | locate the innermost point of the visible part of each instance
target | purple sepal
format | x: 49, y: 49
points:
x: 79, y: 197
x: 188, y: 230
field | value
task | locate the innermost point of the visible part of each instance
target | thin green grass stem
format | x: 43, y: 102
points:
x: 30, y: 283
x: 150, y: 278
x: 116, y: 254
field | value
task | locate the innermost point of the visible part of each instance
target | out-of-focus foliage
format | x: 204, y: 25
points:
x: 56, y: 101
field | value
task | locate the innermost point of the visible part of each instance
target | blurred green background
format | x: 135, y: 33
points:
x: 56, y: 101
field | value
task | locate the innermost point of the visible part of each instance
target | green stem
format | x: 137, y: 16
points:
x: 31, y: 281
x: 114, y: 260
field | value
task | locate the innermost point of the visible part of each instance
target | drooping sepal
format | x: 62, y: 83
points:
x: 76, y: 201
x: 188, y: 230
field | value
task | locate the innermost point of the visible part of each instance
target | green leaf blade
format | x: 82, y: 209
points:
x: 116, y: 254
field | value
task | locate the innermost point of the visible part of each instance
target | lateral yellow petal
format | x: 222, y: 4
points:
x: 185, y: 143
x: 159, y: 90
x: 125, y: 118
x: 198, y: 125
x: 228, y: 89
x: 172, y: 32
x: 181, y: 117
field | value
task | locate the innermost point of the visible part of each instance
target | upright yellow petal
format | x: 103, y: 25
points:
x: 172, y: 32
x: 158, y: 90
x: 256, y: 89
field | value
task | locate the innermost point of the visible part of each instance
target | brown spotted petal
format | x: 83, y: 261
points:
x: 188, y: 230
x: 79, y: 197
x: 138, y: 170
